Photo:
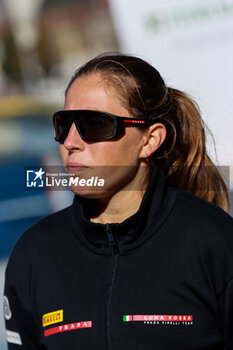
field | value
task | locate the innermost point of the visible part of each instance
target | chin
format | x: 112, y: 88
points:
x: 87, y: 192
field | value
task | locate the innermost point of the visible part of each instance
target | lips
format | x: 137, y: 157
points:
x: 74, y: 167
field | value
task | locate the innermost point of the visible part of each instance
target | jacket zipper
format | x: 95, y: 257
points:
x: 112, y: 242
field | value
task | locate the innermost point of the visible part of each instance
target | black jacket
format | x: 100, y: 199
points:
x: 162, y: 279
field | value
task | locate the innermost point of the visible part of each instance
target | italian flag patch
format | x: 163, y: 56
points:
x: 127, y: 318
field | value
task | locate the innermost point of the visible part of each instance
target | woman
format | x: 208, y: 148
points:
x: 146, y: 261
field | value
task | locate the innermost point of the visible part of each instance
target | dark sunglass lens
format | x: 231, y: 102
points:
x: 97, y: 126
x: 91, y: 125
x: 62, y: 127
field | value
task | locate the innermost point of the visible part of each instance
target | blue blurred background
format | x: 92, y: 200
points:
x: 43, y: 42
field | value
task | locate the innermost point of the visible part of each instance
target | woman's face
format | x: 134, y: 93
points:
x: 116, y: 161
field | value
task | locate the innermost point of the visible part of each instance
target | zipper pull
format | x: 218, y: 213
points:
x: 111, y: 239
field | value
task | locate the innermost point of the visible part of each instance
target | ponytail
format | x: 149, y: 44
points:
x: 186, y: 164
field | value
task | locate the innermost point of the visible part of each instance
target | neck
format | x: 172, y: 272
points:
x: 120, y: 205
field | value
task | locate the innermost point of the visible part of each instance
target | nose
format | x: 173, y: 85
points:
x: 73, y: 140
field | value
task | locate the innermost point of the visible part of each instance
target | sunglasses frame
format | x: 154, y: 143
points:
x: 119, y: 123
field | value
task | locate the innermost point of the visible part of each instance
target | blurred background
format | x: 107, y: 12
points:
x: 43, y: 42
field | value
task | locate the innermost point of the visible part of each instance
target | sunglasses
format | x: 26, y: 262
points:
x: 93, y: 125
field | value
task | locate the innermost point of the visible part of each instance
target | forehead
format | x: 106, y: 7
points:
x: 87, y: 89
x: 93, y: 92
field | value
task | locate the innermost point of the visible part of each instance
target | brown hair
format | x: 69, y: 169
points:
x: 182, y: 156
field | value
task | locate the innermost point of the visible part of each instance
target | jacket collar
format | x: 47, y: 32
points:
x: 155, y: 207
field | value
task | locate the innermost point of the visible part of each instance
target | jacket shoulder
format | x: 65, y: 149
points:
x: 38, y: 239
x: 209, y: 230
x: 206, y: 222
x: 205, y: 212
x: 212, y: 228
x: 47, y: 226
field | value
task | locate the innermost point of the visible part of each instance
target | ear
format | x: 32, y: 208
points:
x: 153, y: 139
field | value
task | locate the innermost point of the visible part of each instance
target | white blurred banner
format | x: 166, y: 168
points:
x: 191, y: 44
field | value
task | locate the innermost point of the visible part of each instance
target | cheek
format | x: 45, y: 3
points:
x: 131, y: 145
x: 124, y: 151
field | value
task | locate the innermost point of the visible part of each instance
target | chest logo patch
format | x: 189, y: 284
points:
x: 67, y: 327
x: 160, y: 319
x: 52, y: 317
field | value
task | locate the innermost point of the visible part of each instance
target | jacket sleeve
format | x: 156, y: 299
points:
x: 217, y: 247
x: 226, y: 307
x: 21, y: 329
